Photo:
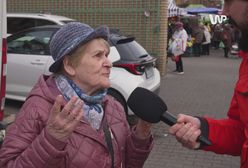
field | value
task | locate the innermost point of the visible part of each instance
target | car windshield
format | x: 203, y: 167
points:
x: 131, y: 50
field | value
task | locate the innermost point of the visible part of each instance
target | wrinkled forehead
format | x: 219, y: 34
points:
x: 97, y: 44
x: 104, y: 43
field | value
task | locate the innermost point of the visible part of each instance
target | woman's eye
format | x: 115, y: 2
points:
x: 99, y: 54
x: 102, y: 54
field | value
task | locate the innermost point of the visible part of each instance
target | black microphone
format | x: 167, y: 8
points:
x: 151, y: 108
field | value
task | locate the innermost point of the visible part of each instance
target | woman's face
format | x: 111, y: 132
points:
x: 92, y: 69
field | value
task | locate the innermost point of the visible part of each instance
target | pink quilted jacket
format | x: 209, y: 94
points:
x: 27, y: 145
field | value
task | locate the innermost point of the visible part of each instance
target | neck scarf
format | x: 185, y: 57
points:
x: 93, y: 111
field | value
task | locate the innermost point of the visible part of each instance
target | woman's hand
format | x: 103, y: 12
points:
x: 143, y: 129
x: 186, y: 131
x: 62, y: 122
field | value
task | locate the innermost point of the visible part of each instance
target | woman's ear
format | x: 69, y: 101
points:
x: 69, y: 69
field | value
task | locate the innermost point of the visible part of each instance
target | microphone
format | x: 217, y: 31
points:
x: 151, y: 108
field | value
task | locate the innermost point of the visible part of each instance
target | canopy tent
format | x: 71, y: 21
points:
x: 174, y: 10
x: 203, y: 10
x: 199, y: 8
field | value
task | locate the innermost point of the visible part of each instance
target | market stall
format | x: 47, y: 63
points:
x: 174, y: 10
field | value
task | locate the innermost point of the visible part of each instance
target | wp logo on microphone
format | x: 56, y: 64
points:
x: 214, y: 19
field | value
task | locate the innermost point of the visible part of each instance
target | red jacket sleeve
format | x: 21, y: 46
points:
x: 228, y: 135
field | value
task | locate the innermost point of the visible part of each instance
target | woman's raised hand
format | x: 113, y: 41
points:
x: 62, y: 122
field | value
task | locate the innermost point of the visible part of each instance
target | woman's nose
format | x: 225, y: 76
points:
x: 108, y: 62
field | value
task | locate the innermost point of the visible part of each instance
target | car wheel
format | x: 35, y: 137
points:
x: 132, y: 119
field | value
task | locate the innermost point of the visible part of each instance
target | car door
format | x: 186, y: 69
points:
x: 27, y: 57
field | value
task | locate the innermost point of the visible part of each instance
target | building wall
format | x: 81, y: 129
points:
x: 126, y: 15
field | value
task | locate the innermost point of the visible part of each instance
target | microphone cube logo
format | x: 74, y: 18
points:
x: 214, y: 19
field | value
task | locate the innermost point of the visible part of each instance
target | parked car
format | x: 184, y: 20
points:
x: 20, y: 21
x: 28, y: 57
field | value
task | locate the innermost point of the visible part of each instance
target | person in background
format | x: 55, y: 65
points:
x: 169, y: 36
x: 226, y: 38
x: 228, y: 135
x: 216, y: 36
x: 180, y: 38
x: 187, y: 28
x: 206, y: 43
x: 85, y: 127
x: 189, y: 47
x: 170, y: 32
x: 198, y: 34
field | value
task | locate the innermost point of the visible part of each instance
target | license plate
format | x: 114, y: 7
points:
x: 149, y: 72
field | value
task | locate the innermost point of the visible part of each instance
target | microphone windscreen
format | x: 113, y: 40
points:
x: 146, y: 105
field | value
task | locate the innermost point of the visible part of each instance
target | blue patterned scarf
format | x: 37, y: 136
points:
x: 93, y: 110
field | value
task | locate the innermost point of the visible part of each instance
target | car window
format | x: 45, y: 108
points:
x: 42, y: 22
x: 35, y: 42
x: 131, y: 50
x: 15, y: 24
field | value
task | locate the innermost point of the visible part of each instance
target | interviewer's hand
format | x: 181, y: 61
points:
x: 186, y: 131
x: 62, y: 122
x: 143, y: 129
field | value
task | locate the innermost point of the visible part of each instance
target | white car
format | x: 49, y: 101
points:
x: 20, y: 21
x: 28, y: 57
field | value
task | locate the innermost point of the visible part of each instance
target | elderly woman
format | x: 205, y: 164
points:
x: 68, y: 121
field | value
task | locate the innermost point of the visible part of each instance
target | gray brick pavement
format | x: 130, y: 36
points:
x: 205, y: 89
